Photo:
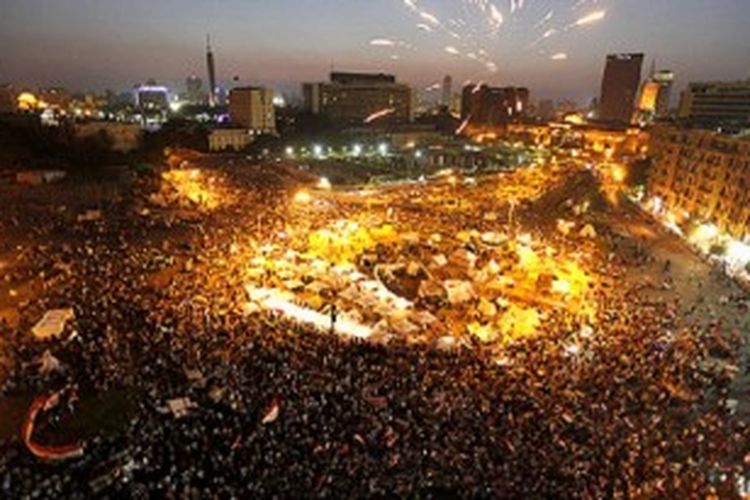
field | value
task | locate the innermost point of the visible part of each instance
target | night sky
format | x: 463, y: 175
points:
x: 97, y: 44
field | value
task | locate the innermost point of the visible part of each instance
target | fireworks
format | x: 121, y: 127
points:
x: 379, y: 114
x: 591, y: 18
x: 474, y: 25
x: 382, y: 42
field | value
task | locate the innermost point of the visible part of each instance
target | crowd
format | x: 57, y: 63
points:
x: 637, y: 404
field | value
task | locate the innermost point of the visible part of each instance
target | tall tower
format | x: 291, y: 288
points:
x: 447, y: 91
x: 211, y: 73
x: 622, y: 78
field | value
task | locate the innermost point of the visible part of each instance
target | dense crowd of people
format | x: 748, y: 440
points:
x: 639, y: 404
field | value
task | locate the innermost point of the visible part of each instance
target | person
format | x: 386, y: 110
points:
x: 334, y: 316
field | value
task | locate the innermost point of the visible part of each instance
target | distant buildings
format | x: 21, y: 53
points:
x: 356, y: 98
x: 252, y: 108
x: 702, y: 175
x: 194, y: 88
x: 716, y: 103
x: 229, y: 139
x: 656, y: 93
x: 55, y: 98
x: 620, y: 84
x: 484, y: 107
x: 124, y: 137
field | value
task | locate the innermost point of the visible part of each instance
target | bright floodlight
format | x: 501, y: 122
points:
x: 290, y: 151
x: 356, y: 150
x: 383, y: 149
x: 318, y: 150
x: 324, y: 183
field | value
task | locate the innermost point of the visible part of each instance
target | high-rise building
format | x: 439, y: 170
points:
x: 622, y: 78
x: 211, y: 66
x: 484, y: 106
x: 655, y: 95
x: 194, y: 87
x: 447, y: 99
x: 355, y: 98
x: 716, y: 103
x: 252, y: 108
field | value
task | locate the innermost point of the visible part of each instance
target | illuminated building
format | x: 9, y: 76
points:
x: 211, y: 66
x: 484, y: 107
x: 576, y: 134
x: 152, y: 97
x: 703, y: 175
x: 124, y: 137
x: 350, y: 98
x: 622, y: 78
x: 194, y: 87
x: 252, y: 108
x: 55, y: 97
x: 655, y: 95
x: 229, y: 139
x: 717, y: 103
x: 447, y: 99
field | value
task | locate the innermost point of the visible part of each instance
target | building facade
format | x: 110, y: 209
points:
x: 656, y: 94
x: 716, y: 103
x: 229, y: 139
x: 620, y: 84
x: 252, y: 108
x: 702, y: 175
x: 353, y: 98
x: 194, y: 90
x: 484, y: 107
x: 124, y: 137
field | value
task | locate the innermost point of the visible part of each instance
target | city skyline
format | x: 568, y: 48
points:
x: 555, y: 47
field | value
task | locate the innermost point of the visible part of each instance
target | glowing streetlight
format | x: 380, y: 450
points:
x: 383, y: 149
x: 318, y: 150
x: 290, y: 151
x: 356, y: 150
x: 324, y: 183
